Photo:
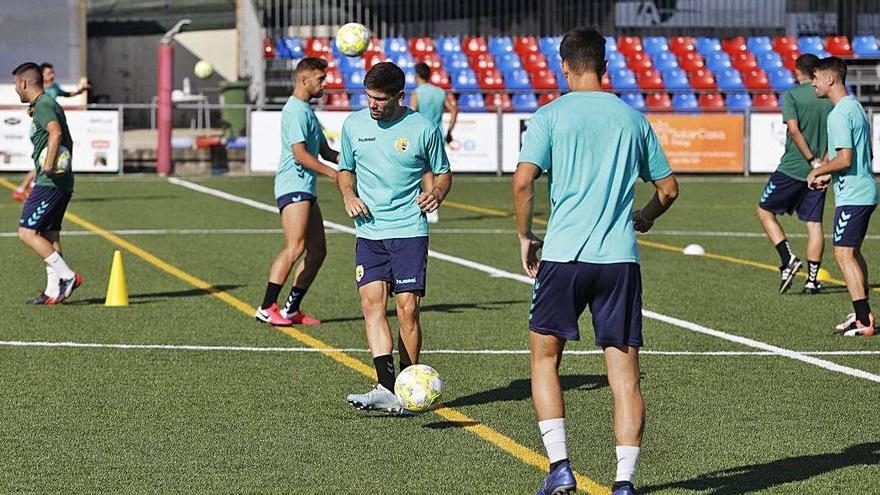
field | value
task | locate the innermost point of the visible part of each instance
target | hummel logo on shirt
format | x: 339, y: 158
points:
x: 366, y: 140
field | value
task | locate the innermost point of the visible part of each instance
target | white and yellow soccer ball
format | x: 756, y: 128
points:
x: 62, y: 160
x: 203, y: 69
x: 353, y: 39
x: 418, y: 387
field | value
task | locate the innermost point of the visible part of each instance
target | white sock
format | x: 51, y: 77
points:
x: 553, y: 435
x: 52, y: 280
x: 19, y: 189
x: 57, y: 263
x: 627, y: 456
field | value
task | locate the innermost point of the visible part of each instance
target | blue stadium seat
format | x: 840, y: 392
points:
x: 718, y: 62
x: 517, y: 79
x: 610, y: 45
x: 770, y: 61
x: 865, y: 46
x: 456, y: 61
x: 550, y: 45
x: 781, y: 79
x: 499, y: 45
x: 759, y: 45
x: 624, y: 79
x: 471, y: 102
x: 507, y: 62
x: 403, y: 60
x: 464, y: 80
x: 554, y: 63
x: 655, y: 45
x: 561, y: 83
x: 664, y: 61
x: 738, y: 101
x: 811, y: 44
x: 294, y: 47
x: 635, y: 100
x: 395, y: 45
x: 708, y: 45
x: 448, y: 44
x: 524, y: 102
x: 347, y: 64
x: 616, y: 61
x: 354, y: 79
x: 729, y: 80
x: 409, y: 75
x: 281, y: 49
x: 685, y: 102
x: 676, y: 79
x: 358, y: 100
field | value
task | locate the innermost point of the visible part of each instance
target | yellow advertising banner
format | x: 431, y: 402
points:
x: 701, y: 143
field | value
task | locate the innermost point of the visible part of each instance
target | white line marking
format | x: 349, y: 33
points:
x: 498, y: 273
x: 251, y: 231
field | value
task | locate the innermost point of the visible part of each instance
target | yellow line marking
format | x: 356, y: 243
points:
x: 483, y: 431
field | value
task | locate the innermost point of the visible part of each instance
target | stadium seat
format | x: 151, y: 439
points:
x: 655, y: 45
x: 372, y: 60
x: 711, y: 101
x: 691, y: 61
x: 421, y: 46
x: 707, y: 45
x: 756, y: 79
x: 447, y: 45
x: 354, y: 79
x: 718, y: 61
x: 464, y: 80
x: 606, y: 81
x: 650, y: 79
x: 482, y: 61
x: 546, y: 98
x: 406, y: 61
x: 765, y: 101
x: 639, y: 62
x: 664, y: 61
x: 865, y: 46
x: 623, y: 79
x: 358, y: 101
x: 457, y: 61
x: 544, y: 80
x: 785, y: 45
x: 524, y: 45
x: 635, y: 100
x: 338, y: 100
x: 281, y: 50
x: 616, y: 61
x: 471, y: 102
x: 334, y: 79
x: 409, y: 78
x: 702, y: 79
x: 681, y: 45
x: 811, y: 44
x: 507, y: 61
x: 395, y: 45
x: 499, y: 45
x: 782, y: 80
x: 346, y: 64
x: 534, y: 62
x: 550, y: 46
x: 685, y: 102
x: 658, y: 102
x: 760, y: 45
x: 472, y: 45
x: 729, y: 80
x: 517, y: 79
x: 269, y: 48
x: 734, y: 46
x: 769, y: 61
x: 294, y: 47
x: 495, y: 100
x: 555, y: 63
x: 524, y: 102
x: 316, y: 46
x: 440, y: 78
x: 744, y: 61
x: 332, y: 62
x: 629, y: 45
x: 490, y: 79
x: 790, y: 59
x: 738, y: 101
x: 676, y: 79
x: 839, y: 46
x: 563, y: 84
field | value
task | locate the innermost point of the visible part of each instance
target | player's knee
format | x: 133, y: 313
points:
x: 843, y: 255
x: 294, y: 250
x: 372, y: 305
x: 316, y: 254
x: 762, y: 213
x: 407, y: 311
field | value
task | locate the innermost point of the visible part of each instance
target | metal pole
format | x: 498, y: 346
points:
x: 500, y: 126
x: 247, y: 149
x: 165, y: 83
x: 747, y: 141
x: 120, y: 153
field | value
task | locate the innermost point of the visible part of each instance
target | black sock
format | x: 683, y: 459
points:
x: 813, y: 271
x: 621, y: 484
x: 557, y: 463
x: 271, y: 297
x: 404, y: 366
x: 862, y: 311
x: 784, y: 252
x: 385, y: 370
x: 294, y: 299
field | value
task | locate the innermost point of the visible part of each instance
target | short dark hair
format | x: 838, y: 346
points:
x: 309, y: 64
x: 806, y: 63
x: 423, y: 71
x: 584, y: 50
x: 385, y: 77
x: 835, y: 65
x: 46, y: 65
x: 31, y: 72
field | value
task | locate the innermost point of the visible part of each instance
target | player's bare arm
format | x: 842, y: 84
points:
x: 52, y: 145
x: 451, y: 106
x: 354, y: 206
x: 440, y: 185
x: 819, y: 177
x: 308, y: 160
x: 798, y: 138
x: 524, y: 203
x: 664, y: 196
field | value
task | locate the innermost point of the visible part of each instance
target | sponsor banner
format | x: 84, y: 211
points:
x: 875, y: 142
x: 701, y: 143
x: 514, y: 127
x: 96, y: 140
x: 767, y: 141
x: 700, y: 13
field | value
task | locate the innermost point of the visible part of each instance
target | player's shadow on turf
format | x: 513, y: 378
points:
x: 438, y: 308
x: 151, y: 297
x: 107, y: 199
x: 837, y: 289
x: 757, y: 477
x: 521, y: 390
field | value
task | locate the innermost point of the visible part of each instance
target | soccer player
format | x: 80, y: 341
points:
x: 593, y: 147
x: 40, y: 225
x: 848, y: 168
x: 805, y: 115
x: 296, y: 194
x: 431, y: 101
x: 385, y: 150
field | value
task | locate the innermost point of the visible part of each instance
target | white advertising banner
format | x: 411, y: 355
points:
x: 767, y: 141
x: 514, y: 126
x: 96, y: 141
x: 875, y: 142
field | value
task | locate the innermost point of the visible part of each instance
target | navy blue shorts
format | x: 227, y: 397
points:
x: 401, y: 262
x: 612, y: 291
x: 294, y: 197
x: 784, y: 195
x: 44, y: 209
x: 851, y: 225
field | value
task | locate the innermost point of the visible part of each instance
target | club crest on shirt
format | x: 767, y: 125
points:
x: 358, y: 273
x: 401, y: 144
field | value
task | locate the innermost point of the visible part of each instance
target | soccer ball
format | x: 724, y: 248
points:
x: 418, y: 387
x: 203, y: 69
x: 62, y: 160
x: 353, y: 39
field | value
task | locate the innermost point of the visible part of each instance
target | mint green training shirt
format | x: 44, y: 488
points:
x: 848, y: 128
x: 431, y: 102
x: 298, y: 125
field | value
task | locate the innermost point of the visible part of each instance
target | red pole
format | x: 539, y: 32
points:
x: 166, y: 81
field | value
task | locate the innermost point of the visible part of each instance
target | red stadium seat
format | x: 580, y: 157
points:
x: 472, y: 45
x: 490, y: 79
x: 534, y: 62
x: 524, y: 45
x: 373, y: 60
x: 734, y: 46
x: 332, y: 63
x: 658, y: 101
x: 421, y: 46
x: 765, y: 100
x: 650, y: 79
x: 269, y: 48
x: 629, y: 45
x: 606, y: 81
x: 839, y: 46
x: 546, y: 98
x: 337, y: 100
x: 744, y: 61
x: 432, y: 59
x: 789, y: 59
x: 374, y: 48
x: 639, y: 62
x: 493, y: 101
x: 334, y: 79
x: 681, y: 45
x: 440, y: 78
x: 711, y: 101
x: 756, y: 79
x: 702, y: 79
x: 785, y: 45
x: 482, y: 61
x: 544, y: 79
x: 316, y: 46
x: 691, y: 61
